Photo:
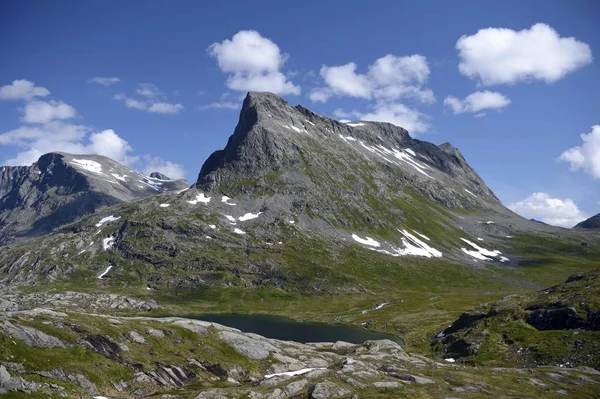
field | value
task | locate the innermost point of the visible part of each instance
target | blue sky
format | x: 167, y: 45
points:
x: 523, y: 95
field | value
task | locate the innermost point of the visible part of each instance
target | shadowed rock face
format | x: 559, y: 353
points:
x: 591, y: 223
x: 307, y: 149
x: 9, y: 176
x: 60, y: 188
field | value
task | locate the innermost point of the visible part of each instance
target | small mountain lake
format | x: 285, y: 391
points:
x: 285, y: 329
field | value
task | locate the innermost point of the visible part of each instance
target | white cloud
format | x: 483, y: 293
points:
x: 220, y: 105
x: 165, y: 108
x: 60, y: 136
x: 167, y: 168
x: 22, y: 89
x: 253, y: 62
x: 104, y: 81
x: 111, y: 145
x: 587, y: 155
x: 131, y: 102
x: 44, y: 112
x: 148, y: 90
x: 504, y: 56
x: 343, y: 80
x: 395, y: 113
x: 46, y: 130
x: 388, y: 78
x: 150, y: 102
x: 554, y: 211
x: 476, y: 102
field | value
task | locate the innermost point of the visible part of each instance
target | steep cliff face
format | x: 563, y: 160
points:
x: 9, y: 176
x: 60, y: 188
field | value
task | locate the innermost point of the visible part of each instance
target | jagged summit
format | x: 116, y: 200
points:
x: 59, y: 188
x: 159, y: 176
x: 272, y: 136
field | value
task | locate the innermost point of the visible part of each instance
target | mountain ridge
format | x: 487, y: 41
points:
x: 60, y: 188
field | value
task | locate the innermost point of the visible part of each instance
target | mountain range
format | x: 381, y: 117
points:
x: 302, y: 216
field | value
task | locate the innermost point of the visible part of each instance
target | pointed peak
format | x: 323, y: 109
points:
x: 263, y: 100
x: 159, y: 176
x: 448, y: 148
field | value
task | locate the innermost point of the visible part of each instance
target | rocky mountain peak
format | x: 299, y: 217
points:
x: 59, y: 188
x: 590, y: 223
x: 159, y: 176
x: 274, y: 138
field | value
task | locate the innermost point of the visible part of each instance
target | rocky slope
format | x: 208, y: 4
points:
x: 524, y: 330
x: 60, y: 188
x: 590, y: 223
x: 54, y: 354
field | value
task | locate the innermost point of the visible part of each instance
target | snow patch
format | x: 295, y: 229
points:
x: 470, y: 193
x: 309, y: 122
x: 249, y: 216
x: 88, y: 164
x: 356, y: 124
x: 107, y: 219
x: 230, y: 218
x: 118, y: 177
x: 479, y: 239
x: 376, y: 307
x: 104, y: 272
x: 292, y: 222
x: 181, y: 191
x: 422, y: 235
x: 200, y: 198
x: 347, y: 138
x: 225, y: 198
x: 450, y: 360
x: 212, y: 226
x: 366, y: 241
x: 238, y: 231
x: 293, y: 373
x: 411, y: 152
x: 297, y: 129
x: 108, y: 243
x: 482, y: 253
x: 165, y: 205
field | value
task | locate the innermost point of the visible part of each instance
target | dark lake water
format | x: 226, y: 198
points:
x: 290, y: 330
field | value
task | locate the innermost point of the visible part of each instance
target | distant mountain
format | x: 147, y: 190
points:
x: 591, y: 223
x: 60, y: 188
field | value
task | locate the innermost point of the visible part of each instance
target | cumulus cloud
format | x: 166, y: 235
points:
x: 554, y: 211
x: 253, y: 62
x: 220, y: 105
x: 387, y: 79
x: 45, y: 129
x: 47, y: 111
x: 167, y: 168
x: 395, y: 113
x: 37, y: 140
x: 148, y: 90
x: 476, y: 102
x: 587, y: 155
x: 151, y: 99
x: 504, y: 56
x: 165, y: 108
x: 104, y: 81
x: 22, y: 89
